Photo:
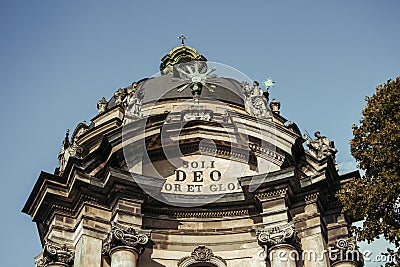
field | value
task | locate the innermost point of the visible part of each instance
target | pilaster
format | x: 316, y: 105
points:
x: 312, y: 232
x: 92, y: 227
x: 274, y: 206
x: 128, y: 212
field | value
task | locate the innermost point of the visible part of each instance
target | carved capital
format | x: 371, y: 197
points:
x: 121, y: 235
x: 55, y: 254
x: 284, y: 234
x: 346, y: 250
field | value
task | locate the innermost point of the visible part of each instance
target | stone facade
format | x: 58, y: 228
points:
x: 242, y: 191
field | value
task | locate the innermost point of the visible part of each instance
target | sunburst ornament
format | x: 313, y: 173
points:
x: 268, y: 83
x: 196, y: 75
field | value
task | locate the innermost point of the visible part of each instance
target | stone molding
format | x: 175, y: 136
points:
x: 54, y: 253
x: 275, y: 193
x: 311, y: 198
x: 200, y: 214
x: 268, y: 154
x: 202, y: 254
x: 284, y: 234
x: 124, y: 236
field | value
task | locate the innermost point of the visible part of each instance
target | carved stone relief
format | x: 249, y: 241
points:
x: 202, y: 254
x: 54, y: 253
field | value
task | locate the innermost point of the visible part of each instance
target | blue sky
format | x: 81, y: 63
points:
x: 58, y: 58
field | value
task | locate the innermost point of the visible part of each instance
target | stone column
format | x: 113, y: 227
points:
x: 55, y: 255
x: 123, y: 257
x: 282, y: 244
x: 124, y: 245
x: 283, y: 255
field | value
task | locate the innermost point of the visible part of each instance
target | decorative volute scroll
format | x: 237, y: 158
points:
x: 125, y: 236
x: 202, y: 254
x: 55, y: 254
x: 346, y: 250
x: 284, y: 234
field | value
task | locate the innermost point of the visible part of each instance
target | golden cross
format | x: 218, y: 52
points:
x: 183, y: 38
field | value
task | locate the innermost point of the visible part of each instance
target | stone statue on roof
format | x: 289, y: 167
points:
x: 69, y: 149
x: 256, y: 103
x: 130, y: 90
x: 119, y: 96
x: 321, y: 146
x: 102, y: 105
x: 133, y: 103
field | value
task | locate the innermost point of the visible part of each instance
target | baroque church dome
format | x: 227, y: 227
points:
x: 194, y: 166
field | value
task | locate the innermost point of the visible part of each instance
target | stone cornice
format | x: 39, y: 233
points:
x: 280, y: 193
x: 50, y: 195
x: 265, y: 122
x: 311, y: 198
x: 273, y: 156
x: 240, y: 154
x: 280, y: 176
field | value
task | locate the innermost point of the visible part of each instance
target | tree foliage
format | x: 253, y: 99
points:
x: 376, y: 147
